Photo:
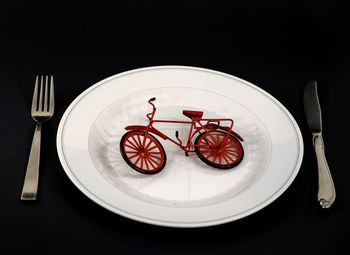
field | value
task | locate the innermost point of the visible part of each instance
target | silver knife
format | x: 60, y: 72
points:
x: 326, y: 189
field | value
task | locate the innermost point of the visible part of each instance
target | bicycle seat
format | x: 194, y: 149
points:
x: 192, y: 114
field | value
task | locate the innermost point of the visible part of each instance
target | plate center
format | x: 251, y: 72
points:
x: 185, y: 181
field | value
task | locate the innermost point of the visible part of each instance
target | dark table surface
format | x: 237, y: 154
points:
x: 277, y: 46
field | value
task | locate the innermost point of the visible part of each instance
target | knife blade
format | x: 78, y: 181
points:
x: 312, y: 109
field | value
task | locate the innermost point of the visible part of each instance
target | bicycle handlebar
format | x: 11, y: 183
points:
x: 151, y: 114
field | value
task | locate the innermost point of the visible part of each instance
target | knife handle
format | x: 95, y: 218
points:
x: 326, y: 189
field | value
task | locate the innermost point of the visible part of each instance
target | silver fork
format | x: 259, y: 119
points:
x: 43, y: 105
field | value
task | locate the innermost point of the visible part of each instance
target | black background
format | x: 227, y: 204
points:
x: 278, y: 46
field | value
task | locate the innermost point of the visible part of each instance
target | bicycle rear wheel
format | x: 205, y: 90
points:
x: 214, y: 151
x: 145, y: 154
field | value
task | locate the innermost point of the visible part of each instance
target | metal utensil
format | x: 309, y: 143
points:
x: 43, y: 105
x: 326, y: 189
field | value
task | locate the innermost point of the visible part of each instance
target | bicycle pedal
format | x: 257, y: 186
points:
x: 186, y: 153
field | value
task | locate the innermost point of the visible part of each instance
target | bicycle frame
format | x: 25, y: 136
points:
x: 195, y: 127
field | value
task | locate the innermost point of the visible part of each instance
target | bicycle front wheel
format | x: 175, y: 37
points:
x: 144, y: 153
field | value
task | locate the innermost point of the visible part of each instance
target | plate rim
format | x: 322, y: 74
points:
x: 118, y: 211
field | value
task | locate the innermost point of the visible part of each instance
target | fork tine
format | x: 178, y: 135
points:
x: 35, y: 95
x: 46, y: 107
x: 40, y: 108
x: 52, y: 96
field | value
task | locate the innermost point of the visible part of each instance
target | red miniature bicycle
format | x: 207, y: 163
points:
x: 216, y: 145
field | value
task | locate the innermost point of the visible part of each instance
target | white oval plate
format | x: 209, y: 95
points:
x: 187, y: 193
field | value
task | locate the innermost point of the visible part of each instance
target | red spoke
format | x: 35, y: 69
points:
x: 149, y: 161
x: 209, y: 141
x: 155, y: 162
x: 218, y: 138
x: 155, y: 157
x: 148, y: 144
x: 231, y: 146
x: 205, y: 140
x: 219, y: 159
x: 131, y: 157
x: 139, y: 139
x: 147, y: 167
x: 214, y: 140
x: 224, y: 157
x: 154, y: 152
x: 132, y: 152
x: 137, y: 145
x: 215, y: 157
x: 141, y: 163
x: 210, y: 155
x: 207, y: 147
x: 227, y: 158
x: 230, y: 150
x: 231, y: 153
x: 126, y: 145
x: 232, y: 158
x: 137, y: 160
x: 155, y: 146
x: 132, y: 144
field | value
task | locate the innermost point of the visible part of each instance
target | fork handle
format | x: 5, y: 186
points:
x: 326, y: 189
x: 30, y: 186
